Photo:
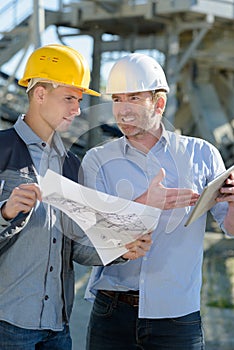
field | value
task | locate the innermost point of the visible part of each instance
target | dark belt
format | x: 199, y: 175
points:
x: 129, y: 297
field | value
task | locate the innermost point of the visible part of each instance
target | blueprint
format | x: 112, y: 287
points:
x: 110, y: 222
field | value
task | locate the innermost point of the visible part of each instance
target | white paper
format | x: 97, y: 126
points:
x: 110, y: 222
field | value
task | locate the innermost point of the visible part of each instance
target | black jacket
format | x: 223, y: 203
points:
x: 14, y: 155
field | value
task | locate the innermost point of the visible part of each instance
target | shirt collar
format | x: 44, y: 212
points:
x: 29, y: 136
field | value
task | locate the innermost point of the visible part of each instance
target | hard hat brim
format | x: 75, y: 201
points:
x: 91, y: 92
x: 24, y: 83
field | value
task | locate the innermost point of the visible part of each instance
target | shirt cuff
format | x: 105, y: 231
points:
x: 3, y: 223
x: 119, y: 260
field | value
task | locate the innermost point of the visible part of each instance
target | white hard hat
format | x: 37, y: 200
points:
x: 136, y: 73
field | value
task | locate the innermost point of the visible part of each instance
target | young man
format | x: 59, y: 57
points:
x: 153, y: 302
x: 36, y: 254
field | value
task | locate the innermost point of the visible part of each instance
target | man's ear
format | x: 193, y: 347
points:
x: 160, y: 105
x: 39, y: 93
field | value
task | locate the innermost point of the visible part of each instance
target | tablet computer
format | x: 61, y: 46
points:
x: 208, y: 196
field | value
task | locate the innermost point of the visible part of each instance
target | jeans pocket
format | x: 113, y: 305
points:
x: 190, y: 319
x: 102, y: 307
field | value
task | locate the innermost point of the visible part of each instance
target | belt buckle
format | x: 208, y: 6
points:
x: 136, y: 305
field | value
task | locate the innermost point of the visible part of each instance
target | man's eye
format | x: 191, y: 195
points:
x: 134, y: 98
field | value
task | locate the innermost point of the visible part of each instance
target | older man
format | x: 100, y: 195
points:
x: 153, y: 302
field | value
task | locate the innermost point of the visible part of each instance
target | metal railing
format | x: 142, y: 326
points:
x: 13, y: 12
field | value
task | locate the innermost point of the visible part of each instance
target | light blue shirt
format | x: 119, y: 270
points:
x: 31, y: 290
x: 169, y: 277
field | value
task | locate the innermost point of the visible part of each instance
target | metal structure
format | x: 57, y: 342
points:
x: 195, y: 37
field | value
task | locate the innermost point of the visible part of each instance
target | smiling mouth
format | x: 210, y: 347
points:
x: 68, y: 120
x: 127, y: 120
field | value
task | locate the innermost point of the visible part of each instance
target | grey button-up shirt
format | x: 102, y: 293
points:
x: 31, y: 290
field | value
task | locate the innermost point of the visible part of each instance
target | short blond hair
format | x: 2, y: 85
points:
x: 47, y: 86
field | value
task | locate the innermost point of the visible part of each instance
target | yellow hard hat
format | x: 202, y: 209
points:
x: 60, y: 64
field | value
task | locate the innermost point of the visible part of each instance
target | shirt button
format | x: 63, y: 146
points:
x: 54, y: 240
x: 43, y: 144
x: 46, y: 297
x: 51, y: 268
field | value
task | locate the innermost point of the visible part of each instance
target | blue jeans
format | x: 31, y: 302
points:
x: 16, y: 338
x: 115, y: 325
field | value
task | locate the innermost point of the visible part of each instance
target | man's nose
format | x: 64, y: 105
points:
x: 76, y: 108
x: 124, y: 107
